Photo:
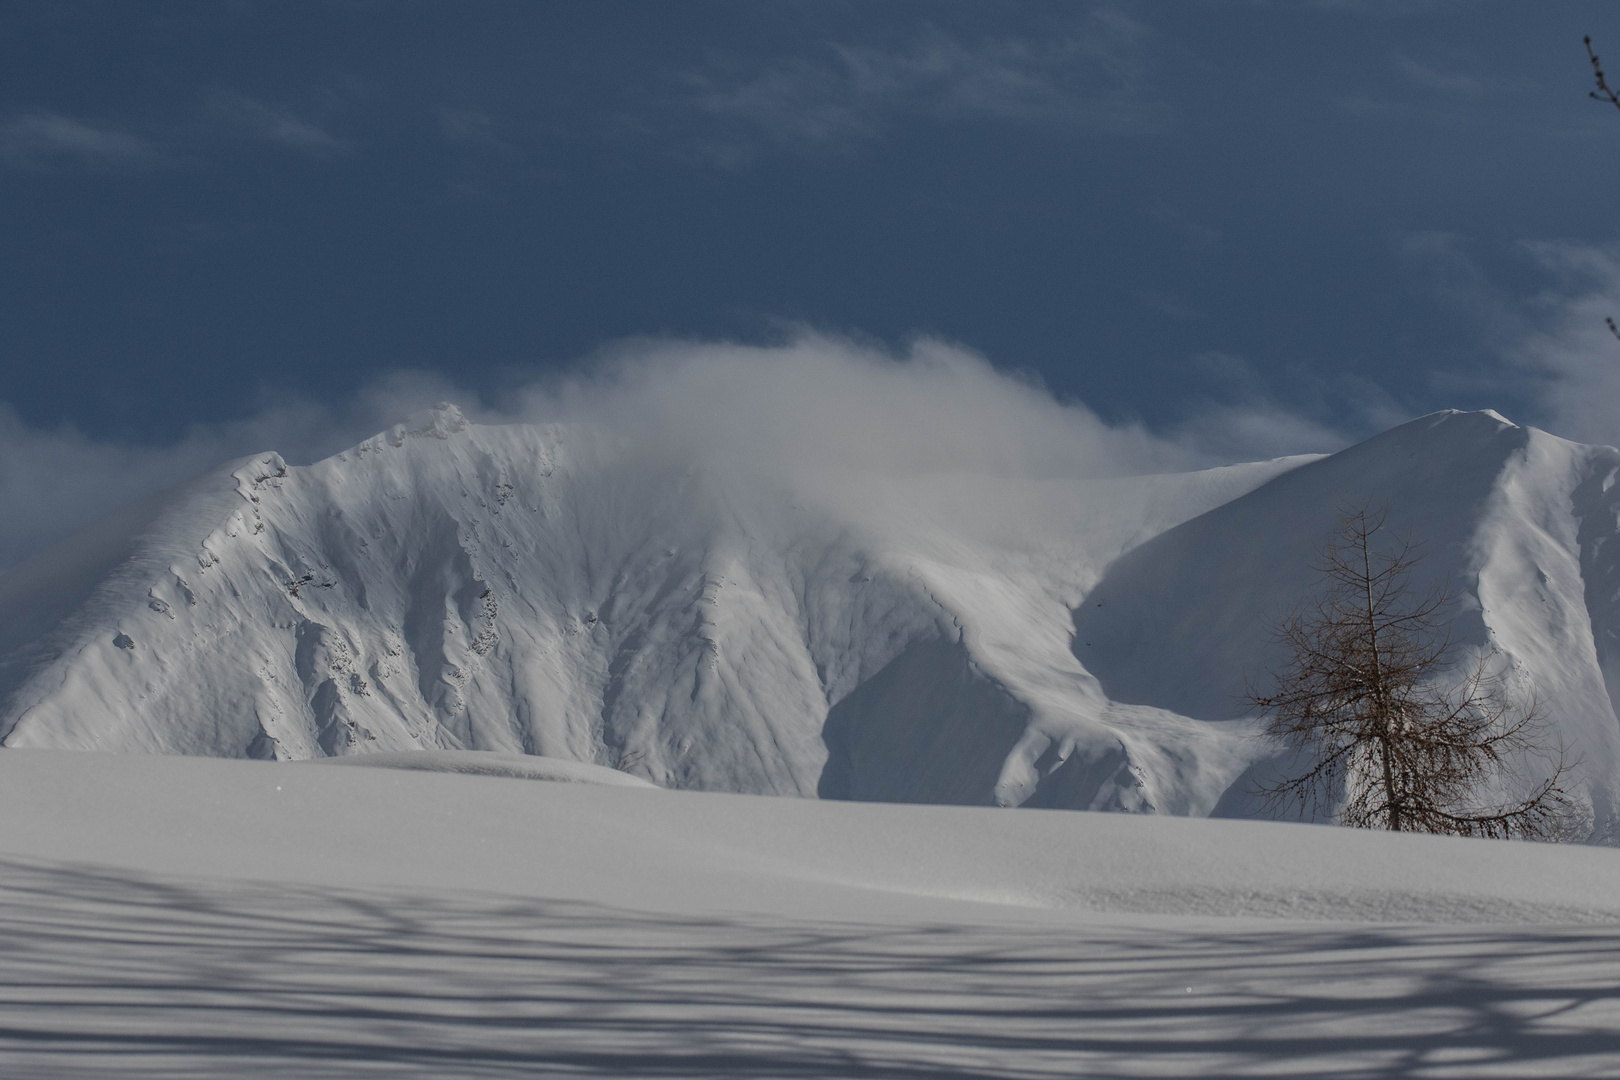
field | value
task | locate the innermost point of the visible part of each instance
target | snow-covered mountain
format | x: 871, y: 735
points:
x: 939, y: 638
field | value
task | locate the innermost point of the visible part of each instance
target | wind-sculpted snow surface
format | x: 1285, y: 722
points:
x: 572, y: 592
x: 489, y: 763
x: 181, y: 917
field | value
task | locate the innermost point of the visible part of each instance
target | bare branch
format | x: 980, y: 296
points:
x: 1395, y: 738
x: 1603, y: 92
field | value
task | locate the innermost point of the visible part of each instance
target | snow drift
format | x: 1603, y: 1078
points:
x: 939, y: 636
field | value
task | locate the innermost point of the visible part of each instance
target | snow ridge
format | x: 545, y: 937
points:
x: 559, y: 591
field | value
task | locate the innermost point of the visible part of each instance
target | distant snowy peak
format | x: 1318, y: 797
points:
x: 1514, y: 523
x: 571, y: 593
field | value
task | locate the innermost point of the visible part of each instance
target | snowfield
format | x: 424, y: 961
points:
x: 171, y: 917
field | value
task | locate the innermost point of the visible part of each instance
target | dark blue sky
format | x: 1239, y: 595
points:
x: 212, y: 206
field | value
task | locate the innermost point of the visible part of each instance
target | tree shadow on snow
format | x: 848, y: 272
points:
x: 107, y: 972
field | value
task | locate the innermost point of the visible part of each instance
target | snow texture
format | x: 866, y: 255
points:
x: 944, y: 638
x: 170, y: 916
x: 485, y: 763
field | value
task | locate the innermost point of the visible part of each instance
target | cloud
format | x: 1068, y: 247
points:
x: 1438, y: 78
x: 1256, y: 431
x: 1243, y: 415
x: 1547, y: 359
x: 1569, y: 354
x: 466, y: 126
x: 49, y: 141
x: 828, y: 403
x: 46, y: 141
x: 794, y: 413
x: 1091, y: 79
x: 1444, y: 89
x: 1168, y: 306
x: 257, y: 121
x: 1384, y: 9
x: 479, y: 153
x: 54, y: 482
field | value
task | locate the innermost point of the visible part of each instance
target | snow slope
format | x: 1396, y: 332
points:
x: 944, y: 638
x: 547, y: 591
x: 170, y: 916
x: 1516, y: 524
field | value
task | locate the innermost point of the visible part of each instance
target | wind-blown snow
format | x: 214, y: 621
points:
x: 989, y: 635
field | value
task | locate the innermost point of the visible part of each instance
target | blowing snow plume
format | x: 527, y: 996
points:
x: 808, y: 570
x: 821, y: 404
x: 1572, y: 355
x: 55, y: 482
x: 813, y: 406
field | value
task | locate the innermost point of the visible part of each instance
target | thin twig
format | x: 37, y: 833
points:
x: 1603, y: 91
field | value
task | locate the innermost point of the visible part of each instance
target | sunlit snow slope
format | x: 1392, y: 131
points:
x: 1514, y: 523
x: 560, y: 591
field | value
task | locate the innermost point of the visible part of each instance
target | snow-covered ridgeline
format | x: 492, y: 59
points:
x: 943, y: 638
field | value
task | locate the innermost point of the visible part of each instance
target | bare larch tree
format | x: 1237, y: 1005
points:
x: 1367, y: 697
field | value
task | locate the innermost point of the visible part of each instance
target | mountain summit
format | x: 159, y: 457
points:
x: 946, y: 638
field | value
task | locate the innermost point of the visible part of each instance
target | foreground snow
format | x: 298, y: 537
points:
x: 191, y: 917
x: 488, y: 763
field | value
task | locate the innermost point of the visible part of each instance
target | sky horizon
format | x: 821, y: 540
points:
x: 1245, y: 228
